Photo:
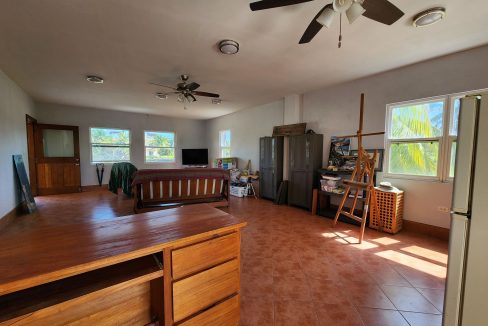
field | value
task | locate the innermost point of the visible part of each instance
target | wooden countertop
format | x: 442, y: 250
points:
x: 40, y: 255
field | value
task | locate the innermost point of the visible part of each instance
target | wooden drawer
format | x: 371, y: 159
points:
x: 203, y: 255
x: 224, y: 314
x: 202, y: 290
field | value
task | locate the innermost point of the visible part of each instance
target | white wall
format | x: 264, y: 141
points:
x: 335, y: 111
x: 246, y: 126
x: 14, y: 105
x: 189, y: 133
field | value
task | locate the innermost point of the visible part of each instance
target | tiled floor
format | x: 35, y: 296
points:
x: 298, y: 270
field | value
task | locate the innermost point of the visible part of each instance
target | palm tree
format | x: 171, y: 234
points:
x: 418, y: 158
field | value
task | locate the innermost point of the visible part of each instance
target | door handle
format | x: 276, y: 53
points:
x: 77, y: 164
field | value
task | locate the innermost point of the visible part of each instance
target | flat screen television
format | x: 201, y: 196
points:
x: 197, y: 156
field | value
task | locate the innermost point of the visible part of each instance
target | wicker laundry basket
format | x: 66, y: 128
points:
x: 390, y: 205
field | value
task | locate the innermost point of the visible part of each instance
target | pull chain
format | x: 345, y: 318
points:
x: 340, y: 31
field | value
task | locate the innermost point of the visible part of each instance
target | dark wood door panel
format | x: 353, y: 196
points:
x: 57, y: 174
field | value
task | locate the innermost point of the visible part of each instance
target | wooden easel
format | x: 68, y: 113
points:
x: 364, y: 170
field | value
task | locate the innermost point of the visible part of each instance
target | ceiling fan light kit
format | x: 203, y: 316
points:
x: 94, y: 79
x: 354, y: 12
x: 326, y: 18
x: 429, y: 17
x: 185, y: 92
x: 228, y: 47
x: 382, y: 11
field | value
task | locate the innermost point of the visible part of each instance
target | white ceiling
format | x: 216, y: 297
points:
x: 48, y: 46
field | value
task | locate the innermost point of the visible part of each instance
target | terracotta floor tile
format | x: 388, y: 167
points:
x: 386, y: 275
x: 256, y: 311
x: 381, y: 317
x: 327, y: 291
x: 294, y: 313
x: 337, y: 315
x: 291, y: 288
x: 320, y: 270
x: 408, y: 299
x: 255, y: 265
x: 435, y: 296
x: 367, y: 295
x: 287, y: 268
x: 421, y: 279
x: 257, y: 285
x: 419, y: 319
x: 352, y: 273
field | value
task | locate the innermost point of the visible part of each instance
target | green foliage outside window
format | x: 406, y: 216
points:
x: 159, y: 146
x: 110, y: 145
x: 422, y: 121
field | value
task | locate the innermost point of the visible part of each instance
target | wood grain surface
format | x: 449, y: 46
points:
x: 39, y: 255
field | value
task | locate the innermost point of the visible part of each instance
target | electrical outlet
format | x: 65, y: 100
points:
x: 443, y: 209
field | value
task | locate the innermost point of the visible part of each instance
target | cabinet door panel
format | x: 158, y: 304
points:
x: 202, y: 290
x: 297, y: 189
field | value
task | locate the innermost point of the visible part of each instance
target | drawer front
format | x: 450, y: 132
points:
x: 223, y: 314
x: 202, y: 255
x: 202, y: 290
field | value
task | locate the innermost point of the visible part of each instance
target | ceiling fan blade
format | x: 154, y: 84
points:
x: 205, y: 94
x: 382, y: 11
x: 268, y: 4
x: 314, y: 27
x: 156, y: 84
x: 192, y: 86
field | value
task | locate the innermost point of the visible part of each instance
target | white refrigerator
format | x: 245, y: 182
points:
x: 466, y: 296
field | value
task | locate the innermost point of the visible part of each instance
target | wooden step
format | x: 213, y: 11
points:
x: 355, y: 184
x: 354, y: 217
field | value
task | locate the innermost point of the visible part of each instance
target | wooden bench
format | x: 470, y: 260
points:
x: 167, y: 188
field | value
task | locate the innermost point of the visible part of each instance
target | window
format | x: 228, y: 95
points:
x: 453, y: 131
x: 159, y: 147
x: 415, y: 132
x: 422, y: 136
x: 109, y: 145
x: 224, y: 142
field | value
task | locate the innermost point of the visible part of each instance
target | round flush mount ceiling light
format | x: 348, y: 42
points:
x: 94, y: 79
x: 216, y: 101
x: 161, y: 96
x: 429, y: 17
x: 228, y: 47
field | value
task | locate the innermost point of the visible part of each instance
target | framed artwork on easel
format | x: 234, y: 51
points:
x: 379, y: 160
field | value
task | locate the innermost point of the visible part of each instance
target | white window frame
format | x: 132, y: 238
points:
x: 444, y: 159
x: 221, y: 148
x: 439, y: 139
x: 174, y: 144
x: 109, y: 162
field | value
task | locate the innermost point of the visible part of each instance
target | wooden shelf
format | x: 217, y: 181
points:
x: 102, y: 281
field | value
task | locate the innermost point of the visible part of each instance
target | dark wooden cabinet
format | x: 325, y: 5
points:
x: 305, y: 158
x: 270, y: 166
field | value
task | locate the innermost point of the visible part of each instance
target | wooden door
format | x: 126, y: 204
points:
x: 57, y: 159
x: 31, y: 153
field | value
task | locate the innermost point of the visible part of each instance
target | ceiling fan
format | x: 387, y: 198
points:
x: 381, y: 11
x: 186, y: 91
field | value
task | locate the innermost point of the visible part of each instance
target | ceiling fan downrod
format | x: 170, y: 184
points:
x: 340, y: 31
